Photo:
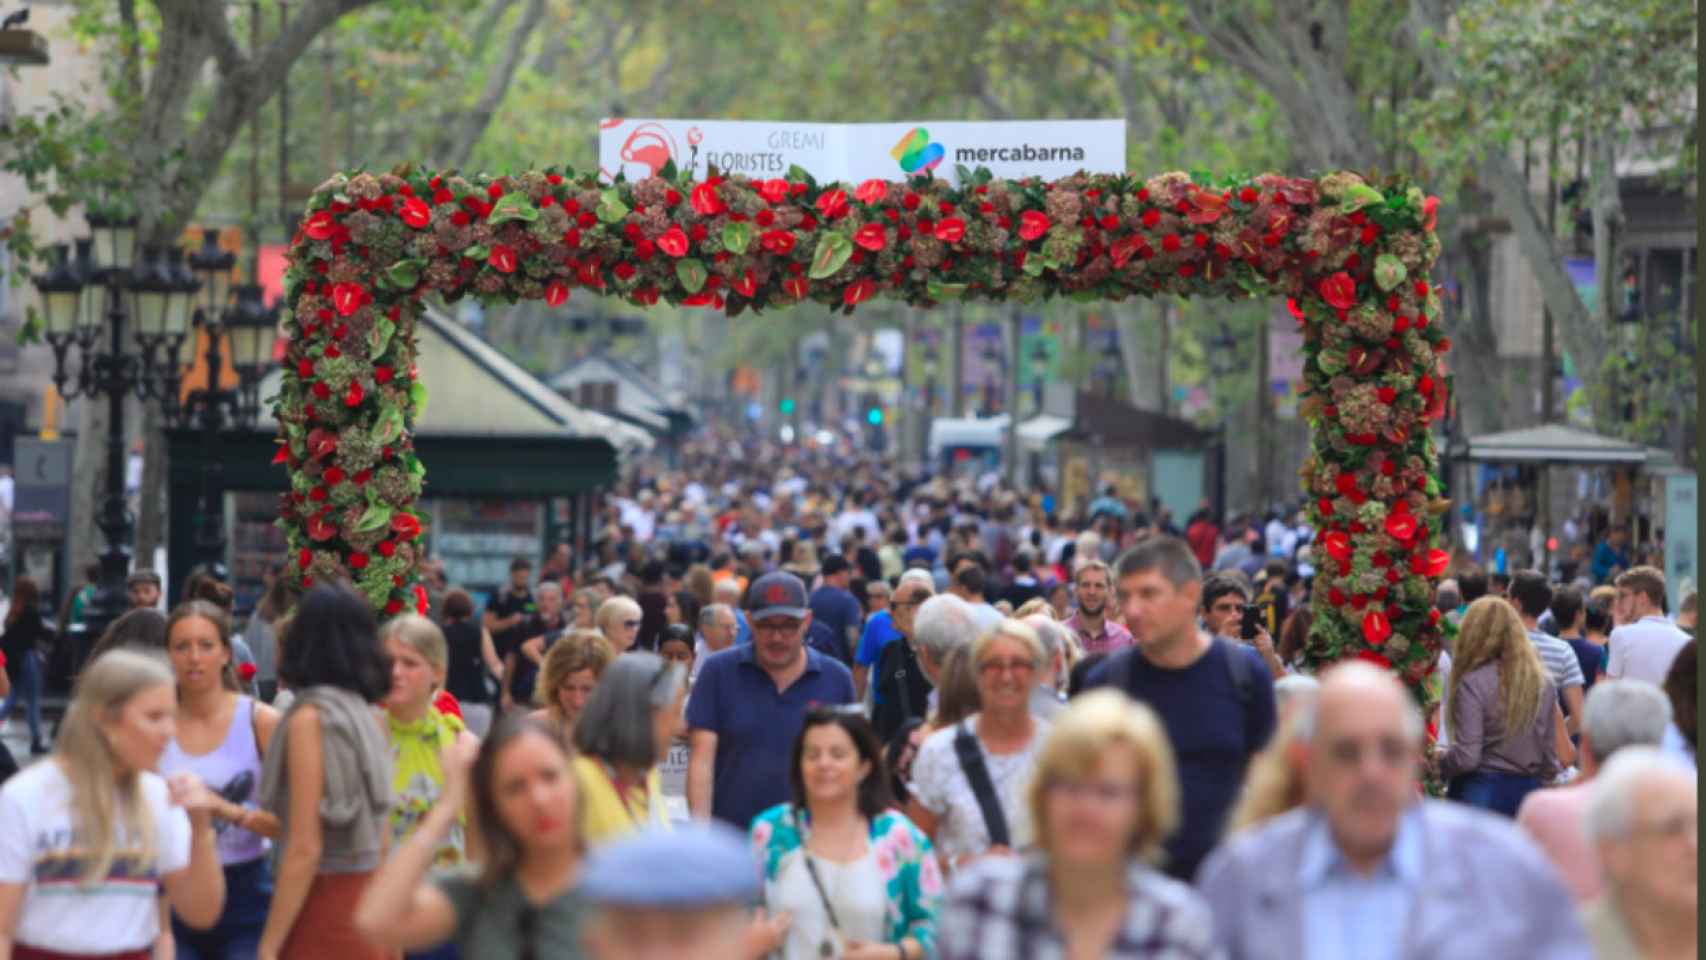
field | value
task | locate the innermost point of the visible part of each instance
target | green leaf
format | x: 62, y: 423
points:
x: 389, y: 426
x: 418, y: 399
x: 380, y: 336
x: 669, y: 172
x: 1388, y: 271
x: 1034, y: 266
x: 610, y: 207
x: 833, y: 252
x: 963, y: 174
x: 477, y: 253
x: 691, y: 272
x: 737, y: 234
x: 1358, y: 196
x: 513, y: 206
x: 376, y: 517
x: 798, y: 174
x: 404, y: 274
x: 945, y: 291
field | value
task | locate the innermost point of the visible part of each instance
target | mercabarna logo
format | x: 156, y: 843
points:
x: 916, y: 153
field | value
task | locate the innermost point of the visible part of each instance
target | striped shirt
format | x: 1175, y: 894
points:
x: 1560, y: 660
x: 998, y: 909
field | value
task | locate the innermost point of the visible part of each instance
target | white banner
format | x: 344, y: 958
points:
x: 852, y: 152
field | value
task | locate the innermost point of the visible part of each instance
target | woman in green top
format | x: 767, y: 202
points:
x: 419, y: 734
x: 523, y: 902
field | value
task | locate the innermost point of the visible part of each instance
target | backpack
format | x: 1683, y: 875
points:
x: 1123, y: 668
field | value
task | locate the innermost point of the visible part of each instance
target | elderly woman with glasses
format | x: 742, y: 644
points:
x: 968, y: 780
x: 1103, y: 798
x: 622, y: 735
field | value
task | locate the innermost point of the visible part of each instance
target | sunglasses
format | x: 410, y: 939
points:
x: 631, y: 624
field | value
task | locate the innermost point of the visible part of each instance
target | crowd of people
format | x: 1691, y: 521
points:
x: 809, y: 710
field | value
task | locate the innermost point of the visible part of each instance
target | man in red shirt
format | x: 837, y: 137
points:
x: 1203, y: 536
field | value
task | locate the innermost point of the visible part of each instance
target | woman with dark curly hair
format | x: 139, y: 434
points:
x: 1682, y: 685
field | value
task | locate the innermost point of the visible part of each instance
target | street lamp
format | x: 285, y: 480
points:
x: 1108, y: 367
x: 224, y: 311
x: 1039, y: 369
x: 996, y: 361
x: 87, y: 303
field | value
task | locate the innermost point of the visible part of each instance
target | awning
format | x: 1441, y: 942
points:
x: 1553, y: 443
x: 1035, y: 433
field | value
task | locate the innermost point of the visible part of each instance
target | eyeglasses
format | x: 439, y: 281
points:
x: 1392, y: 752
x: 631, y: 624
x: 1103, y: 792
x: 993, y: 667
x: 776, y: 626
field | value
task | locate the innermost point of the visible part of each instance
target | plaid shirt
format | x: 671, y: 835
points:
x: 1112, y: 638
x: 998, y: 909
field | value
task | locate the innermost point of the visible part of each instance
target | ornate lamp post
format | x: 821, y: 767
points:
x: 1108, y: 366
x: 114, y: 330
x: 224, y: 311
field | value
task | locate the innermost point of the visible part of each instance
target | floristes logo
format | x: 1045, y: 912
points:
x: 916, y: 153
x: 650, y: 146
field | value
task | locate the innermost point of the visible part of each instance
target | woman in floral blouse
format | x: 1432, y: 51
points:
x: 858, y: 880
x: 420, y: 735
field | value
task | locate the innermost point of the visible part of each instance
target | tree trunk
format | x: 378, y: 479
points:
x: 151, y: 514
x: 460, y: 148
x: 87, y: 483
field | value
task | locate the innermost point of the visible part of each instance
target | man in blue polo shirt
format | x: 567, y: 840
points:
x: 749, y: 703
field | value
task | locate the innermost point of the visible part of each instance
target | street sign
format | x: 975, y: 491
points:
x: 42, y: 510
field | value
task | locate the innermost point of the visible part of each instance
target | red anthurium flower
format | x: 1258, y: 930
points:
x: 1339, y: 290
x: 1170, y: 242
x: 746, y: 284
x: 646, y: 296
x: 320, y: 225
x: 624, y: 270
x: 348, y: 298
x: 383, y: 374
x: 872, y: 237
x: 305, y: 368
x: 387, y: 548
x: 779, y: 242
x: 1338, y: 545
x: 246, y: 671
x: 421, y: 607
x: 951, y: 230
x: 406, y: 525
x: 1375, y: 659
x: 322, y: 443
x: 415, y: 212
x: 333, y: 476
x: 858, y: 292
x: 1430, y: 213
x: 502, y: 258
x: 1292, y: 308
x: 773, y: 191
x: 796, y: 287
x: 703, y: 298
x: 354, y: 396
x: 1431, y: 564
x: 832, y: 204
x: 1376, y: 628
x: 673, y: 242
x: 282, y: 456
x: 1387, y: 395
x: 1033, y: 224
x: 393, y: 608
x: 304, y: 557
x: 871, y: 191
x: 1401, y: 524
x: 705, y: 201
x: 1335, y: 596
x: 322, y: 392
x: 320, y: 530
x: 557, y: 293
x: 1346, y: 484
x: 358, y: 561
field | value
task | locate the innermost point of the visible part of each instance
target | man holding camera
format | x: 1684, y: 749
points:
x: 1227, y: 612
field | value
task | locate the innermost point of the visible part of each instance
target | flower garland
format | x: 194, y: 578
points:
x: 1352, y: 258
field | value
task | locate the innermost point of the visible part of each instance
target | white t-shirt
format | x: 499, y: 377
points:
x: 1644, y: 650
x: 120, y: 913
x: 941, y: 787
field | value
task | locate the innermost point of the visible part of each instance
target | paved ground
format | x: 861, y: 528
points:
x: 16, y: 732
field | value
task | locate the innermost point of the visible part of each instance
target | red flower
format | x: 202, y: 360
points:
x: 1387, y: 395
x: 320, y: 225
x: 624, y: 270
x: 1335, y: 596
x: 1249, y: 195
x: 779, y: 242
x: 1338, y: 545
x: 1401, y: 524
x: 1430, y: 213
x: 773, y: 191
x: 1033, y: 224
x: 871, y: 191
x: 317, y: 495
x: 1431, y: 564
x: 1339, y: 290
x: 305, y: 368
x: 421, y: 607
x: 1151, y: 217
x: 416, y: 213
x: 358, y: 561
x: 832, y: 204
x: 1375, y: 628
x: 1346, y: 484
x: 387, y: 548
x: 1292, y: 308
x: 304, y: 557
x: 282, y: 456
x: 796, y: 287
x: 1422, y: 289
x: 911, y: 201
x: 1170, y: 243
x: 1325, y: 505
x: 556, y: 294
x: 333, y: 476
x: 246, y: 672
x: 872, y: 237
x: 393, y: 608
x: 1375, y: 659
x: 705, y: 201
x: 405, y: 525
x: 320, y: 530
x: 858, y: 292
x: 645, y: 296
x: 673, y: 242
x: 746, y: 284
x: 355, y: 395
x: 502, y: 258
x: 348, y: 298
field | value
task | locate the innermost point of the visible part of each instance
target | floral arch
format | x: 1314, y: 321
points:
x: 1352, y: 259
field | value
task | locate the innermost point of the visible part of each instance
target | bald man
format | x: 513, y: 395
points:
x: 1367, y: 870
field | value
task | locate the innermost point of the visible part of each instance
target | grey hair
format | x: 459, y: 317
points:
x: 549, y: 588
x: 1295, y: 686
x: 921, y: 577
x: 1611, y: 807
x: 726, y: 587
x: 1051, y: 633
x: 616, y: 724
x: 944, y: 623
x: 708, y: 616
x: 1624, y: 713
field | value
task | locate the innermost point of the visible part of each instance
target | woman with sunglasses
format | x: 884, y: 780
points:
x: 856, y: 877
x: 1000, y: 742
x: 523, y: 904
x: 624, y: 732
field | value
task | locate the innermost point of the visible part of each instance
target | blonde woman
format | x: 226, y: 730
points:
x: 88, y: 836
x: 1104, y: 796
x: 420, y: 736
x: 1507, y: 731
x: 1275, y: 782
x: 570, y: 673
x: 619, y: 620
